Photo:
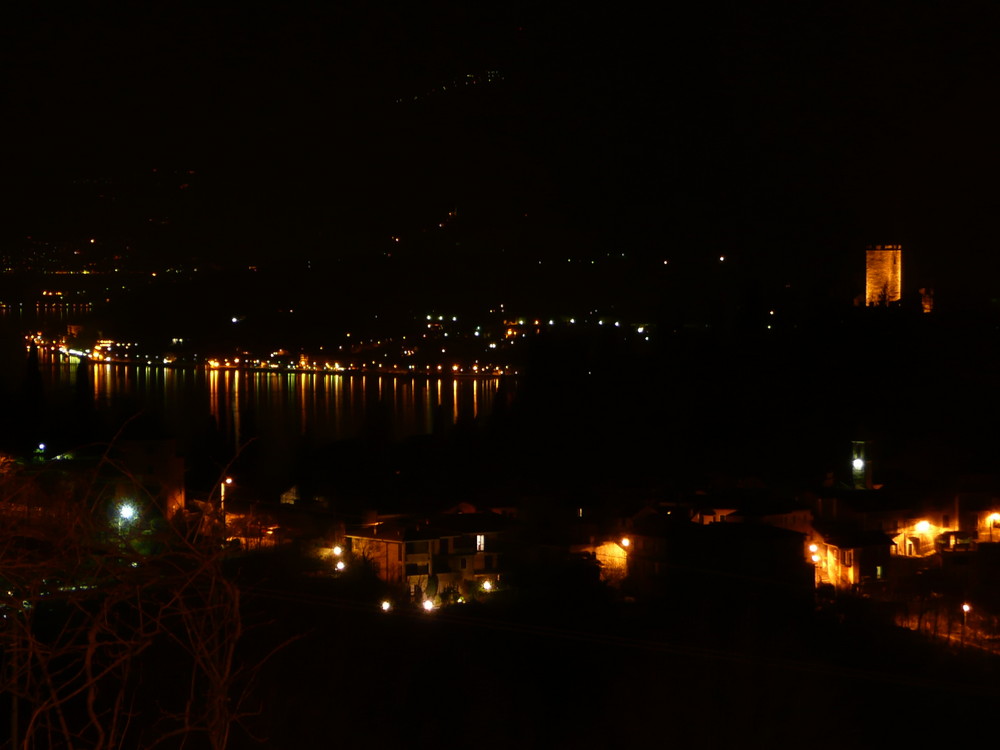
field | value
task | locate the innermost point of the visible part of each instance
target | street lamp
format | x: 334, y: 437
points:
x: 966, y: 607
x: 126, y: 512
x: 222, y: 504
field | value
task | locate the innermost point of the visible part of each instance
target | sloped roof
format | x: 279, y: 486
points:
x: 849, y: 538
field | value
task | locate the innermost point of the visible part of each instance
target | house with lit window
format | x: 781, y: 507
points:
x: 477, y: 544
x: 848, y: 557
x: 405, y: 553
x: 451, y: 552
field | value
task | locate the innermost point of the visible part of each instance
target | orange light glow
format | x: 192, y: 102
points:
x: 884, y: 272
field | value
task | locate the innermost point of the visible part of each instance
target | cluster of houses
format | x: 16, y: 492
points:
x: 853, y: 540
x: 851, y: 537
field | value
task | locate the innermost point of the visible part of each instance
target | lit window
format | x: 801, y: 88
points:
x: 480, y: 542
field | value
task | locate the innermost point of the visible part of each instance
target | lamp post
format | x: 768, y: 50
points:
x: 965, y: 614
x: 126, y: 513
x: 222, y: 504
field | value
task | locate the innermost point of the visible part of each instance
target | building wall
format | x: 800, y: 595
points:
x: 916, y: 537
x: 385, y: 554
x: 884, y: 274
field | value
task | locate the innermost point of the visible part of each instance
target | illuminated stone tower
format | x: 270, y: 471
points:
x: 884, y: 275
x: 861, y: 469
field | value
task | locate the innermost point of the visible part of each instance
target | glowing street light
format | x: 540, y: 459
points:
x: 428, y: 605
x: 340, y: 565
x: 626, y: 541
x: 487, y: 586
x: 222, y: 503
x: 386, y: 605
x: 126, y: 514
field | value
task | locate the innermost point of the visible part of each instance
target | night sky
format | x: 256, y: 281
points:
x: 787, y: 135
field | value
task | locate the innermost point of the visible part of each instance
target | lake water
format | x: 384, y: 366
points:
x: 247, y: 404
x: 278, y: 411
